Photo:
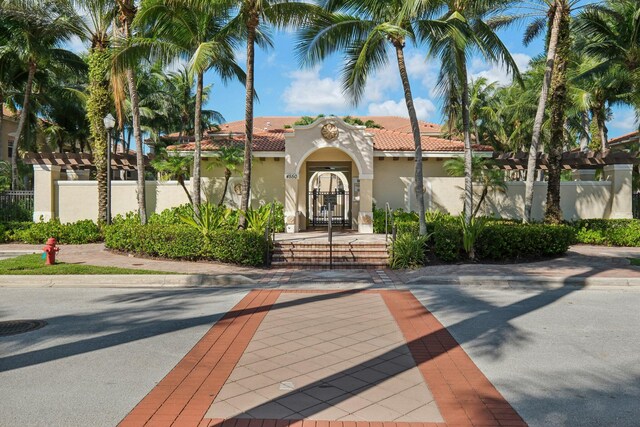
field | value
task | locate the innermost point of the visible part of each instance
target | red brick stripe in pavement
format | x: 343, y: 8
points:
x: 465, y: 397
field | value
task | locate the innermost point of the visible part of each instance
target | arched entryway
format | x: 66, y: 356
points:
x: 329, y: 165
x: 329, y: 194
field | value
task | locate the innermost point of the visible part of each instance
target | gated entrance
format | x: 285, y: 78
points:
x: 329, y: 190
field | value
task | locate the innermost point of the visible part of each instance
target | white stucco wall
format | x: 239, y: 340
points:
x: 578, y: 199
x: 77, y: 200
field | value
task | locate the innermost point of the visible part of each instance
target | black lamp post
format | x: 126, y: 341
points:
x: 109, y: 124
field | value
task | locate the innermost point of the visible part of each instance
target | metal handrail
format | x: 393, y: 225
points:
x: 388, y: 214
x: 267, y: 235
x: 330, y: 235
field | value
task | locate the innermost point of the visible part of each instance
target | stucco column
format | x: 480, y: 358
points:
x: 620, y: 177
x: 365, y: 216
x: 291, y: 217
x: 44, y: 191
x: 584, y: 174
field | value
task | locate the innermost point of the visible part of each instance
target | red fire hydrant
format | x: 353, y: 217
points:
x: 50, y: 251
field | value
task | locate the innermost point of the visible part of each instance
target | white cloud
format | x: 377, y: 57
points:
x: 240, y: 55
x: 497, y: 72
x: 424, y: 108
x: 310, y: 93
x: 423, y: 70
x: 624, y: 121
x: 76, y: 45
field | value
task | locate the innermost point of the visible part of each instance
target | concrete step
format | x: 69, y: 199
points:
x: 316, y: 255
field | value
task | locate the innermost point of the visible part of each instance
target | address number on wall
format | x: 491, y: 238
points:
x: 291, y: 176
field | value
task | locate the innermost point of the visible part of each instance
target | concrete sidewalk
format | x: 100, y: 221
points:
x: 582, y: 266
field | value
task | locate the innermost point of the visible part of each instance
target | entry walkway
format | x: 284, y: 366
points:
x: 325, y: 359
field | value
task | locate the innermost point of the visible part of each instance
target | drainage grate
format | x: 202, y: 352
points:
x: 14, y: 327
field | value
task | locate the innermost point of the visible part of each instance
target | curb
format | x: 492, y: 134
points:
x: 128, y: 281
x: 527, y: 281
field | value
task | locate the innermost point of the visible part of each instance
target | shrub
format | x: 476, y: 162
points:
x: 171, y: 215
x: 8, y: 230
x: 85, y: 231
x: 470, y: 233
x: 447, y: 241
x: 409, y: 251
x: 611, y: 232
x: 503, y: 241
x: 188, y: 243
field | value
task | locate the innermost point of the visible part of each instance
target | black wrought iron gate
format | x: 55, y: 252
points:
x: 322, y: 201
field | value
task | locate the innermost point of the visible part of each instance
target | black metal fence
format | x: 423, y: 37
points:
x: 636, y: 205
x: 16, y: 206
x: 321, y: 201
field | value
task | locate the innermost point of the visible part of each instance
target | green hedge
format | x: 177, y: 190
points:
x: 175, y: 241
x: 610, y: 232
x: 80, y: 232
x: 504, y: 241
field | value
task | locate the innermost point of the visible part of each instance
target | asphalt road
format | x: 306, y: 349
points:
x: 102, y: 351
x: 560, y: 357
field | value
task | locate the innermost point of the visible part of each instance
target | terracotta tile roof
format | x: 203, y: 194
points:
x: 383, y: 140
x: 624, y: 138
x: 265, y: 141
x: 262, y: 124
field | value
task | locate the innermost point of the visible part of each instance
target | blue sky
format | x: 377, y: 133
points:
x: 286, y: 89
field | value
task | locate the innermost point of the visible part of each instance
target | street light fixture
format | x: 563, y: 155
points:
x: 109, y: 124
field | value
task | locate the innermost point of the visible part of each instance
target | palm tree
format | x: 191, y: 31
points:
x: 127, y: 9
x: 173, y: 30
x: 36, y: 30
x: 492, y: 179
x: 251, y: 21
x: 364, y: 30
x: 97, y: 27
x: 229, y: 158
x: 558, y: 105
x: 610, y: 32
x: 468, y: 30
x: 174, y: 166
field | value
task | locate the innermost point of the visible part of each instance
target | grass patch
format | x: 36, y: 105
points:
x: 635, y: 261
x: 34, y: 264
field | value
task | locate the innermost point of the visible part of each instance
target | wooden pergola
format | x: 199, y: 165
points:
x: 570, y: 160
x: 80, y: 161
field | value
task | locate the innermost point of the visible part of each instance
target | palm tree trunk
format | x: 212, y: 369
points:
x: 98, y: 103
x: 417, y: 139
x: 246, y: 171
x: 227, y: 176
x: 483, y: 196
x: 468, y: 152
x: 601, y: 123
x: 558, y: 103
x: 542, y: 105
x: 1, y: 115
x: 186, y: 190
x: 584, y: 140
x: 21, y: 123
x: 127, y: 12
x: 197, y: 155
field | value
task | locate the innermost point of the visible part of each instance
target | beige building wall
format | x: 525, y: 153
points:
x: 9, y: 126
x: 394, y: 178
x: 267, y: 182
x: 78, y: 200
x: 578, y: 199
